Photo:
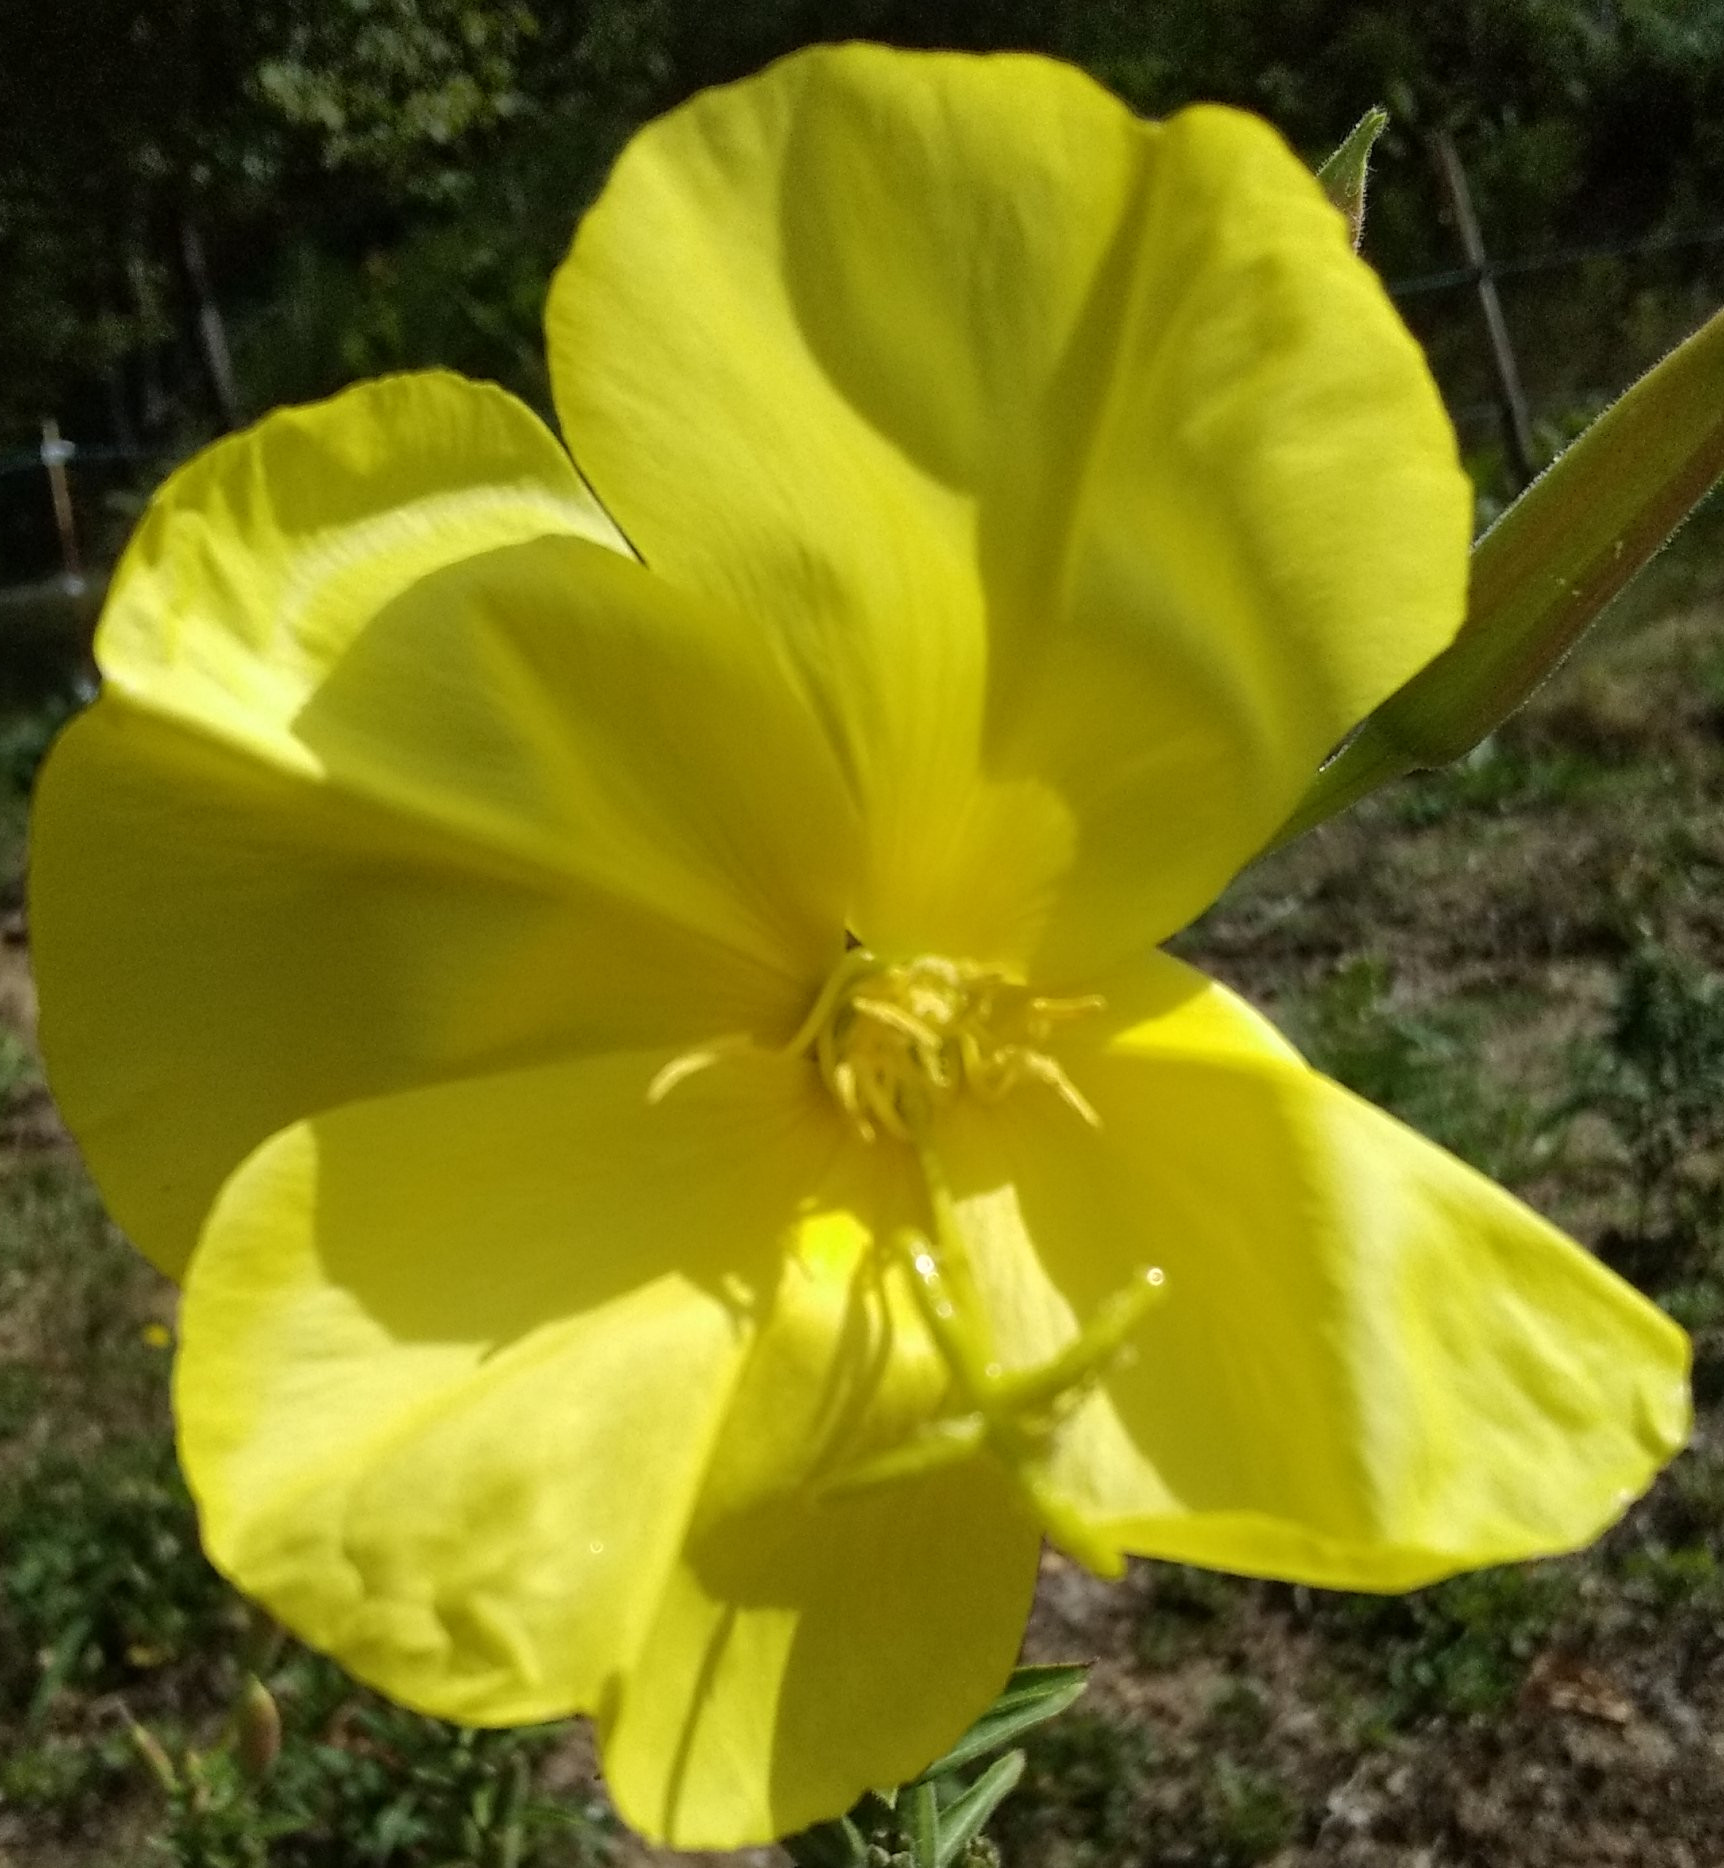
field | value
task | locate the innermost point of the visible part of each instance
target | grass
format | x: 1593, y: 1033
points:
x: 1459, y: 1651
x: 127, y: 1655
x: 1523, y: 958
x: 1080, y: 1792
x: 1656, y: 1077
x: 362, y: 1782
x: 1418, y: 1063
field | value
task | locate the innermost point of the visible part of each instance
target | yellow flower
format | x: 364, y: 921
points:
x: 641, y: 1023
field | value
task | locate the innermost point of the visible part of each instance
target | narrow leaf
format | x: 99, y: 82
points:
x: 153, y: 1753
x: 1343, y: 175
x: 1544, y: 572
x: 837, y: 1844
x: 922, y: 1825
x: 1032, y: 1695
x: 964, y: 1818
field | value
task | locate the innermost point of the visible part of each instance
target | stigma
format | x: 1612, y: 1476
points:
x: 896, y: 1040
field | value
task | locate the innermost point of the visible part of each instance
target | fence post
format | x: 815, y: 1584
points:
x: 1517, y: 427
x: 55, y: 454
x: 212, y: 333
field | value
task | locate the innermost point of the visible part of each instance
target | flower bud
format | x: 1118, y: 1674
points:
x: 257, y: 1729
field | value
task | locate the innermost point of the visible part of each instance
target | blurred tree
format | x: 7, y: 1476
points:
x: 382, y: 183
x: 131, y: 136
x: 391, y: 86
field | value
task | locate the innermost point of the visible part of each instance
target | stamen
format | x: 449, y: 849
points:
x: 691, y: 1064
x: 857, y: 963
x: 933, y: 1027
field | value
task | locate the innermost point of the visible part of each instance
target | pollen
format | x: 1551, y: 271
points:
x: 896, y: 1040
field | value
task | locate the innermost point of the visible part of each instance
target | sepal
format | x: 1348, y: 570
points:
x: 1545, y: 571
x: 1343, y: 175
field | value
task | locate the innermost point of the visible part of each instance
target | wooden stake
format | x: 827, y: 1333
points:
x: 55, y: 454
x: 1517, y: 427
x: 212, y: 332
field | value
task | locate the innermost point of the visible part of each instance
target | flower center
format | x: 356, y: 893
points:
x: 897, y: 1040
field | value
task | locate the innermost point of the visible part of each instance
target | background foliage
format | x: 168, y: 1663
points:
x: 387, y: 183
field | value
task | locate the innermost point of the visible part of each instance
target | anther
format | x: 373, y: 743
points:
x: 932, y: 1028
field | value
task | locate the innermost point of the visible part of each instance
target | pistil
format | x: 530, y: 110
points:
x: 895, y: 1044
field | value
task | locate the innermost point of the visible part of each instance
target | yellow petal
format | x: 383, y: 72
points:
x: 221, y: 948
x: 536, y: 801
x: 1371, y: 1366
x: 525, y: 1395
x: 817, y: 1639
x: 261, y: 560
x: 407, y: 593
x: 1085, y: 471
x: 806, y: 1653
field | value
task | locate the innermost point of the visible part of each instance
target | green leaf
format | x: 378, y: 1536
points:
x: 1343, y: 175
x: 922, y: 1824
x: 963, y: 1819
x: 837, y: 1844
x: 1543, y: 573
x: 1032, y: 1695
